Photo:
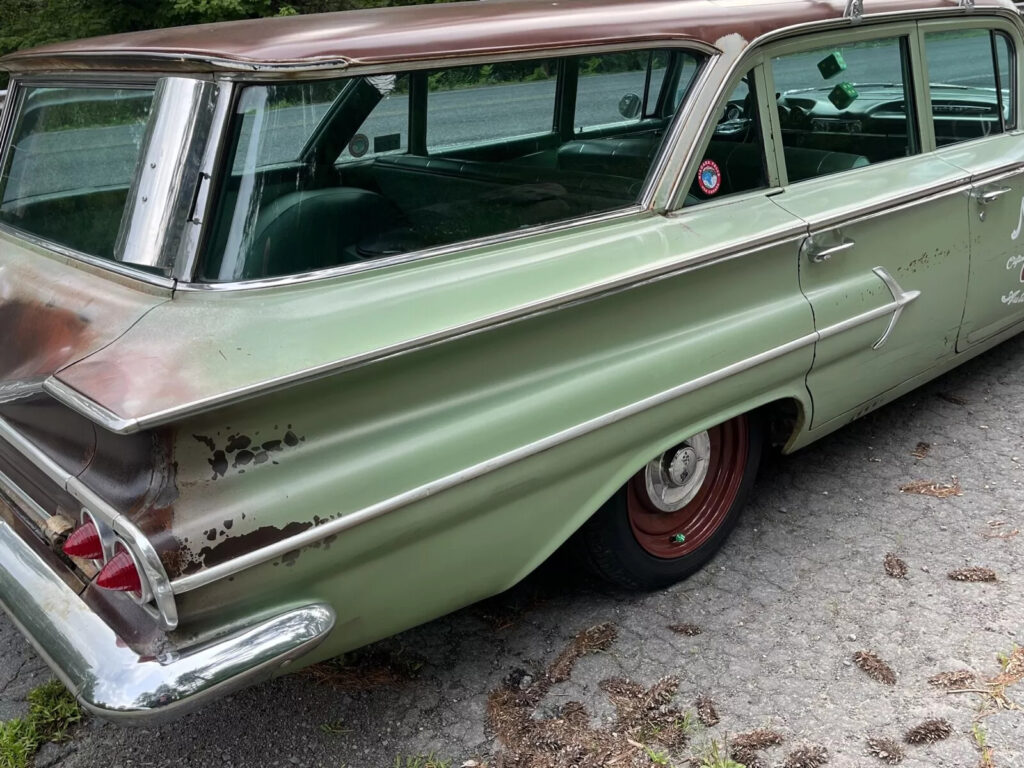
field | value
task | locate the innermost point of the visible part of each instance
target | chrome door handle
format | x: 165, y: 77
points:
x: 818, y: 253
x: 986, y: 195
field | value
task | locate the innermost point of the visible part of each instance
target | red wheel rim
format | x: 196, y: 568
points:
x: 670, y: 535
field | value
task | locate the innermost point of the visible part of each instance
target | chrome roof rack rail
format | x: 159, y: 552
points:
x: 968, y: 4
x: 854, y: 10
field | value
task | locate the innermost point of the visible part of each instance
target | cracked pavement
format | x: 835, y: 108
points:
x: 798, y: 589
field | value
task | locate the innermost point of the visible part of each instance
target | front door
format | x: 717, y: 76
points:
x: 973, y: 122
x: 885, y: 263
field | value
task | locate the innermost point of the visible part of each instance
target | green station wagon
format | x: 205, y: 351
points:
x: 317, y: 328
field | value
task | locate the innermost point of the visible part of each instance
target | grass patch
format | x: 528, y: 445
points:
x: 421, y: 761
x: 52, y: 711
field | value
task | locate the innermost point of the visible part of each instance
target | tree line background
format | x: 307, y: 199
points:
x: 26, y: 23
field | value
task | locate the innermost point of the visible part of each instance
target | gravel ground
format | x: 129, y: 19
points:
x: 799, y: 589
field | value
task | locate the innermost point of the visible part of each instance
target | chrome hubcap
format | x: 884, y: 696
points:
x: 674, y: 478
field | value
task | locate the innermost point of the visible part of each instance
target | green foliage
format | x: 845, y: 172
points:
x: 52, y: 710
x: 18, y: 743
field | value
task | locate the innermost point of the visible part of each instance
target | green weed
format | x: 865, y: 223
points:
x: 52, y: 711
x: 717, y: 756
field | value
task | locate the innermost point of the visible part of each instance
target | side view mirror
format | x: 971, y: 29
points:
x: 629, y: 106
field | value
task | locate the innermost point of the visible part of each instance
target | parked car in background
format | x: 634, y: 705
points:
x: 317, y: 328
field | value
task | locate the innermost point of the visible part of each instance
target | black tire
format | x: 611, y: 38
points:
x: 612, y: 546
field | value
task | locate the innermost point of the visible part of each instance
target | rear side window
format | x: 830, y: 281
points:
x: 73, y: 157
x: 409, y: 161
x: 971, y: 84
x: 844, y: 107
x: 468, y: 106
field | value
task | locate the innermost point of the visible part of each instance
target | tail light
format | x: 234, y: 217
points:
x: 120, y: 574
x: 85, y: 543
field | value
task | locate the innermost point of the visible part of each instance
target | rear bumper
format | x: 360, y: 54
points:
x: 113, y: 681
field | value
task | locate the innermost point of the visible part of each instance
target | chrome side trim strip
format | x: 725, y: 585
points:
x: 141, y: 546
x: 333, y: 527
x: 19, y: 389
x: 116, y: 683
x: 899, y: 296
x: 113, y: 422
x: 405, y: 258
x: 23, y: 500
x: 338, y: 525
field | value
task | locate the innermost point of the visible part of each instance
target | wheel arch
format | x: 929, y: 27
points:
x: 786, y: 414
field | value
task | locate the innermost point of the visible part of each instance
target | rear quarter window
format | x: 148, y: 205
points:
x: 72, y: 159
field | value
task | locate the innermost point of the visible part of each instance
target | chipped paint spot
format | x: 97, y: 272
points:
x: 243, y: 458
x: 235, y: 546
x: 238, y: 443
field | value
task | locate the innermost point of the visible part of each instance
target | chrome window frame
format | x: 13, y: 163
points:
x: 645, y: 198
x: 1001, y: 26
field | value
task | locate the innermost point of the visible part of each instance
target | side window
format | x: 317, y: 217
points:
x: 397, y: 163
x: 734, y: 160
x: 844, y: 107
x: 276, y: 122
x: 386, y: 128
x: 970, y: 84
x: 74, y: 152
x: 611, y: 88
x: 490, y: 103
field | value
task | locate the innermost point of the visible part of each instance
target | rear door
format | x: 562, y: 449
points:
x: 885, y: 262
x: 973, y: 98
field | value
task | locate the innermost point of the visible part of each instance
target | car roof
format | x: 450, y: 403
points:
x: 442, y: 31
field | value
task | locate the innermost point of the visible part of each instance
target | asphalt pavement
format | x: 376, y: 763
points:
x: 768, y: 631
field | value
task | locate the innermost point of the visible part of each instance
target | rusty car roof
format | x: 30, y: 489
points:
x: 437, y: 32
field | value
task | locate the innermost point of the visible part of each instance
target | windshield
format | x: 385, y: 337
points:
x: 72, y: 159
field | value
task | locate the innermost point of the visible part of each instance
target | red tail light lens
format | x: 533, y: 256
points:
x: 120, y: 574
x: 85, y: 543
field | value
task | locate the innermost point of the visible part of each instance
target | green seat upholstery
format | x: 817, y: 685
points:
x: 315, y: 229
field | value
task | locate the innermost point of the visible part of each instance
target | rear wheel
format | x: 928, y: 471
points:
x: 672, y: 516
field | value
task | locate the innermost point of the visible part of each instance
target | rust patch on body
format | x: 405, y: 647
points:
x: 39, y: 338
x: 235, y: 546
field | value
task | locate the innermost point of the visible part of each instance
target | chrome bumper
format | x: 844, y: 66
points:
x: 114, y: 682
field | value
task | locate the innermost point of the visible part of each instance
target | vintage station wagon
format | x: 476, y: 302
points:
x: 316, y: 328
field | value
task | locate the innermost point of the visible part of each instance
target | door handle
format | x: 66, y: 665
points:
x: 818, y: 253
x: 986, y: 195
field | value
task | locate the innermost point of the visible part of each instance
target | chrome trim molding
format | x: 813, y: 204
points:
x: 152, y: 569
x: 116, y: 683
x: 313, y: 535
x: 163, y: 188
x: 405, y: 258
x: 333, y: 527
x: 113, y: 422
x: 25, y: 502
x: 900, y: 298
x: 19, y: 389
